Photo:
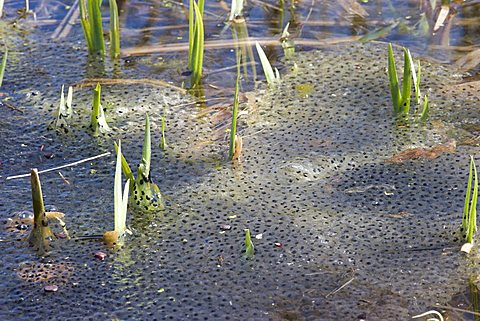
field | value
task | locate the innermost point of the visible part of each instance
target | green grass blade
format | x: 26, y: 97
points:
x: 114, y: 30
x: 472, y: 216
x: 267, y: 67
x: 465, y: 218
x: 87, y: 30
x: 417, y: 84
x: 3, y: 65
x: 407, y: 82
x: 425, y: 110
x: 95, y: 21
x: 201, y: 5
x: 249, y: 248
x: 415, y: 79
x: 233, y: 128
x: 191, y: 22
x: 392, y: 76
x: 125, y: 167
x: 197, y: 63
x: 98, y: 123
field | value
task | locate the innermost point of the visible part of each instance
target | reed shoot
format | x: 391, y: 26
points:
x: 196, y: 39
x: 249, y: 248
x: 91, y: 20
x: 469, y: 220
x: 98, y: 123
x: 233, y: 128
x: 272, y: 77
x: 114, y: 30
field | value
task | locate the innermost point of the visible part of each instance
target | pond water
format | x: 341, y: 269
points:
x: 354, y: 215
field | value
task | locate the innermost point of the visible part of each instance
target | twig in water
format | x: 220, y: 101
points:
x: 60, y: 167
x: 337, y: 290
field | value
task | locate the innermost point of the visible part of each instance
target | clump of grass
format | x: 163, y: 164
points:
x: 236, y: 10
x: 146, y: 194
x: 196, y: 35
x: 98, y: 123
x: 233, y: 128
x: 64, y: 111
x: 469, y: 219
x: 401, y: 97
x: 249, y: 248
x: 3, y: 65
x: 91, y: 20
x: 272, y: 77
x: 120, y: 204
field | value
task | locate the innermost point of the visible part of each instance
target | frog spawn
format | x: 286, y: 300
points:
x: 316, y: 176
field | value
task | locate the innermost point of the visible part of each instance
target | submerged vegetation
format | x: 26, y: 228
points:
x: 469, y: 218
x: 401, y: 97
x: 196, y: 35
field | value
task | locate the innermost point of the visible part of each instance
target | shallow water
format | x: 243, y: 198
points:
x: 317, y: 183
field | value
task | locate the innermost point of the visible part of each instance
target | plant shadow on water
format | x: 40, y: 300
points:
x: 352, y: 214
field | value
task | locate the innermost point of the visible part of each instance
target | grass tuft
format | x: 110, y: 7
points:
x: 401, y: 97
x: 91, y: 20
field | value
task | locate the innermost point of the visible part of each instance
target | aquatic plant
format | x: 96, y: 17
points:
x: 3, y: 65
x: 120, y: 204
x: 249, y: 248
x: 236, y: 9
x: 41, y: 233
x: 196, y: 39
x: 469, y: 219
x: 146, y: 194
x: 91, y: 20
x: 64, y: 111
x: 272, y: 78
x: 114, y: 30
x: 98, y: 123
x: 401, y: 97
x: 287, y: 43
x: 233, y: 128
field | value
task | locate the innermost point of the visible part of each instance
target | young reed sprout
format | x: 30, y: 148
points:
x: 401, y: 97
x: 91, y: 20
x: 236, y: 9
x: 98, y: 123
x: 249, y: 248
x: 120, y: 204
x: 65, y: 111
x: 195, y: 40
x: 272, y: 78
x: 233, y: 128
x: 114, y: 30
x: 146, y: 194
x: 469, y: 219
x: 41, y: 233
x: 287, y: 44
x: 3, y: 65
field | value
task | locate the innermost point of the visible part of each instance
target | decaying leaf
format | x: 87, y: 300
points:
x: 424, y: 153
